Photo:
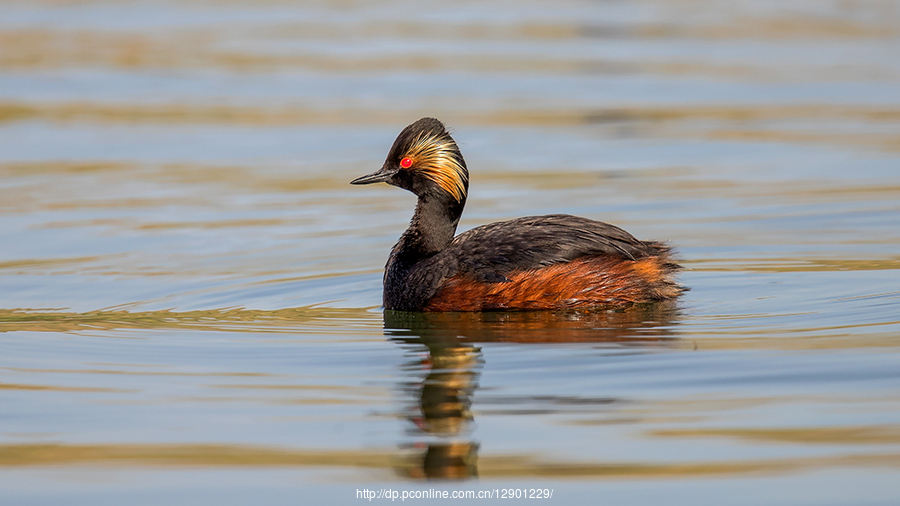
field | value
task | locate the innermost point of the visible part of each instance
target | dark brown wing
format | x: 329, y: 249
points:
x: 491, y: 253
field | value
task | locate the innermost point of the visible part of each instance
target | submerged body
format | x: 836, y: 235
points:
x: 538, y: 262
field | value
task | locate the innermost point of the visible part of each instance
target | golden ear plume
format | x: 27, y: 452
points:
x: 436, y: 157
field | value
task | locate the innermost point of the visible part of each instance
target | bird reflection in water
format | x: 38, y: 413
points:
x: 446, y: 378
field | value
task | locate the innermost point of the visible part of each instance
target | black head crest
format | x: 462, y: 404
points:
x: 424, y: 158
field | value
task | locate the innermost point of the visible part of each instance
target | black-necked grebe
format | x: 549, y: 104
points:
x: 539, y: 262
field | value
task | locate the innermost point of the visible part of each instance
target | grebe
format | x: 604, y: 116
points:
x: 539, y: 262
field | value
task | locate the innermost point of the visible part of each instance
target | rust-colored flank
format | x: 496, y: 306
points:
x: 583, y: 283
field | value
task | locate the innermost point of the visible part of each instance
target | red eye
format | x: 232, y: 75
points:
x: 406, y: 163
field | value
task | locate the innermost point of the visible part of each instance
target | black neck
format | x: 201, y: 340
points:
x: 433, y: 225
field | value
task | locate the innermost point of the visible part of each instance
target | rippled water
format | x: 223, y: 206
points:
x: 190, y: 289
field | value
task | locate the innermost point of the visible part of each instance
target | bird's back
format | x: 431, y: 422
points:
x: 537, y: 262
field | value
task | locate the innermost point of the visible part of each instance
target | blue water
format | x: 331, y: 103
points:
x: 190, y: 289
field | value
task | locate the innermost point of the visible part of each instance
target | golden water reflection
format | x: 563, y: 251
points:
x: 453, y: 461
x: 228, y: 319
x: 856, y: 126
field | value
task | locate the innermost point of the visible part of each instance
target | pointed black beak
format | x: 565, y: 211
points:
x: 380, y: 176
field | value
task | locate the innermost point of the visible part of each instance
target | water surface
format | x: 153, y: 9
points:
x: 190, y: 290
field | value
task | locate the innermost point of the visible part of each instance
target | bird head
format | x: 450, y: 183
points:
x: 424, y: 160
